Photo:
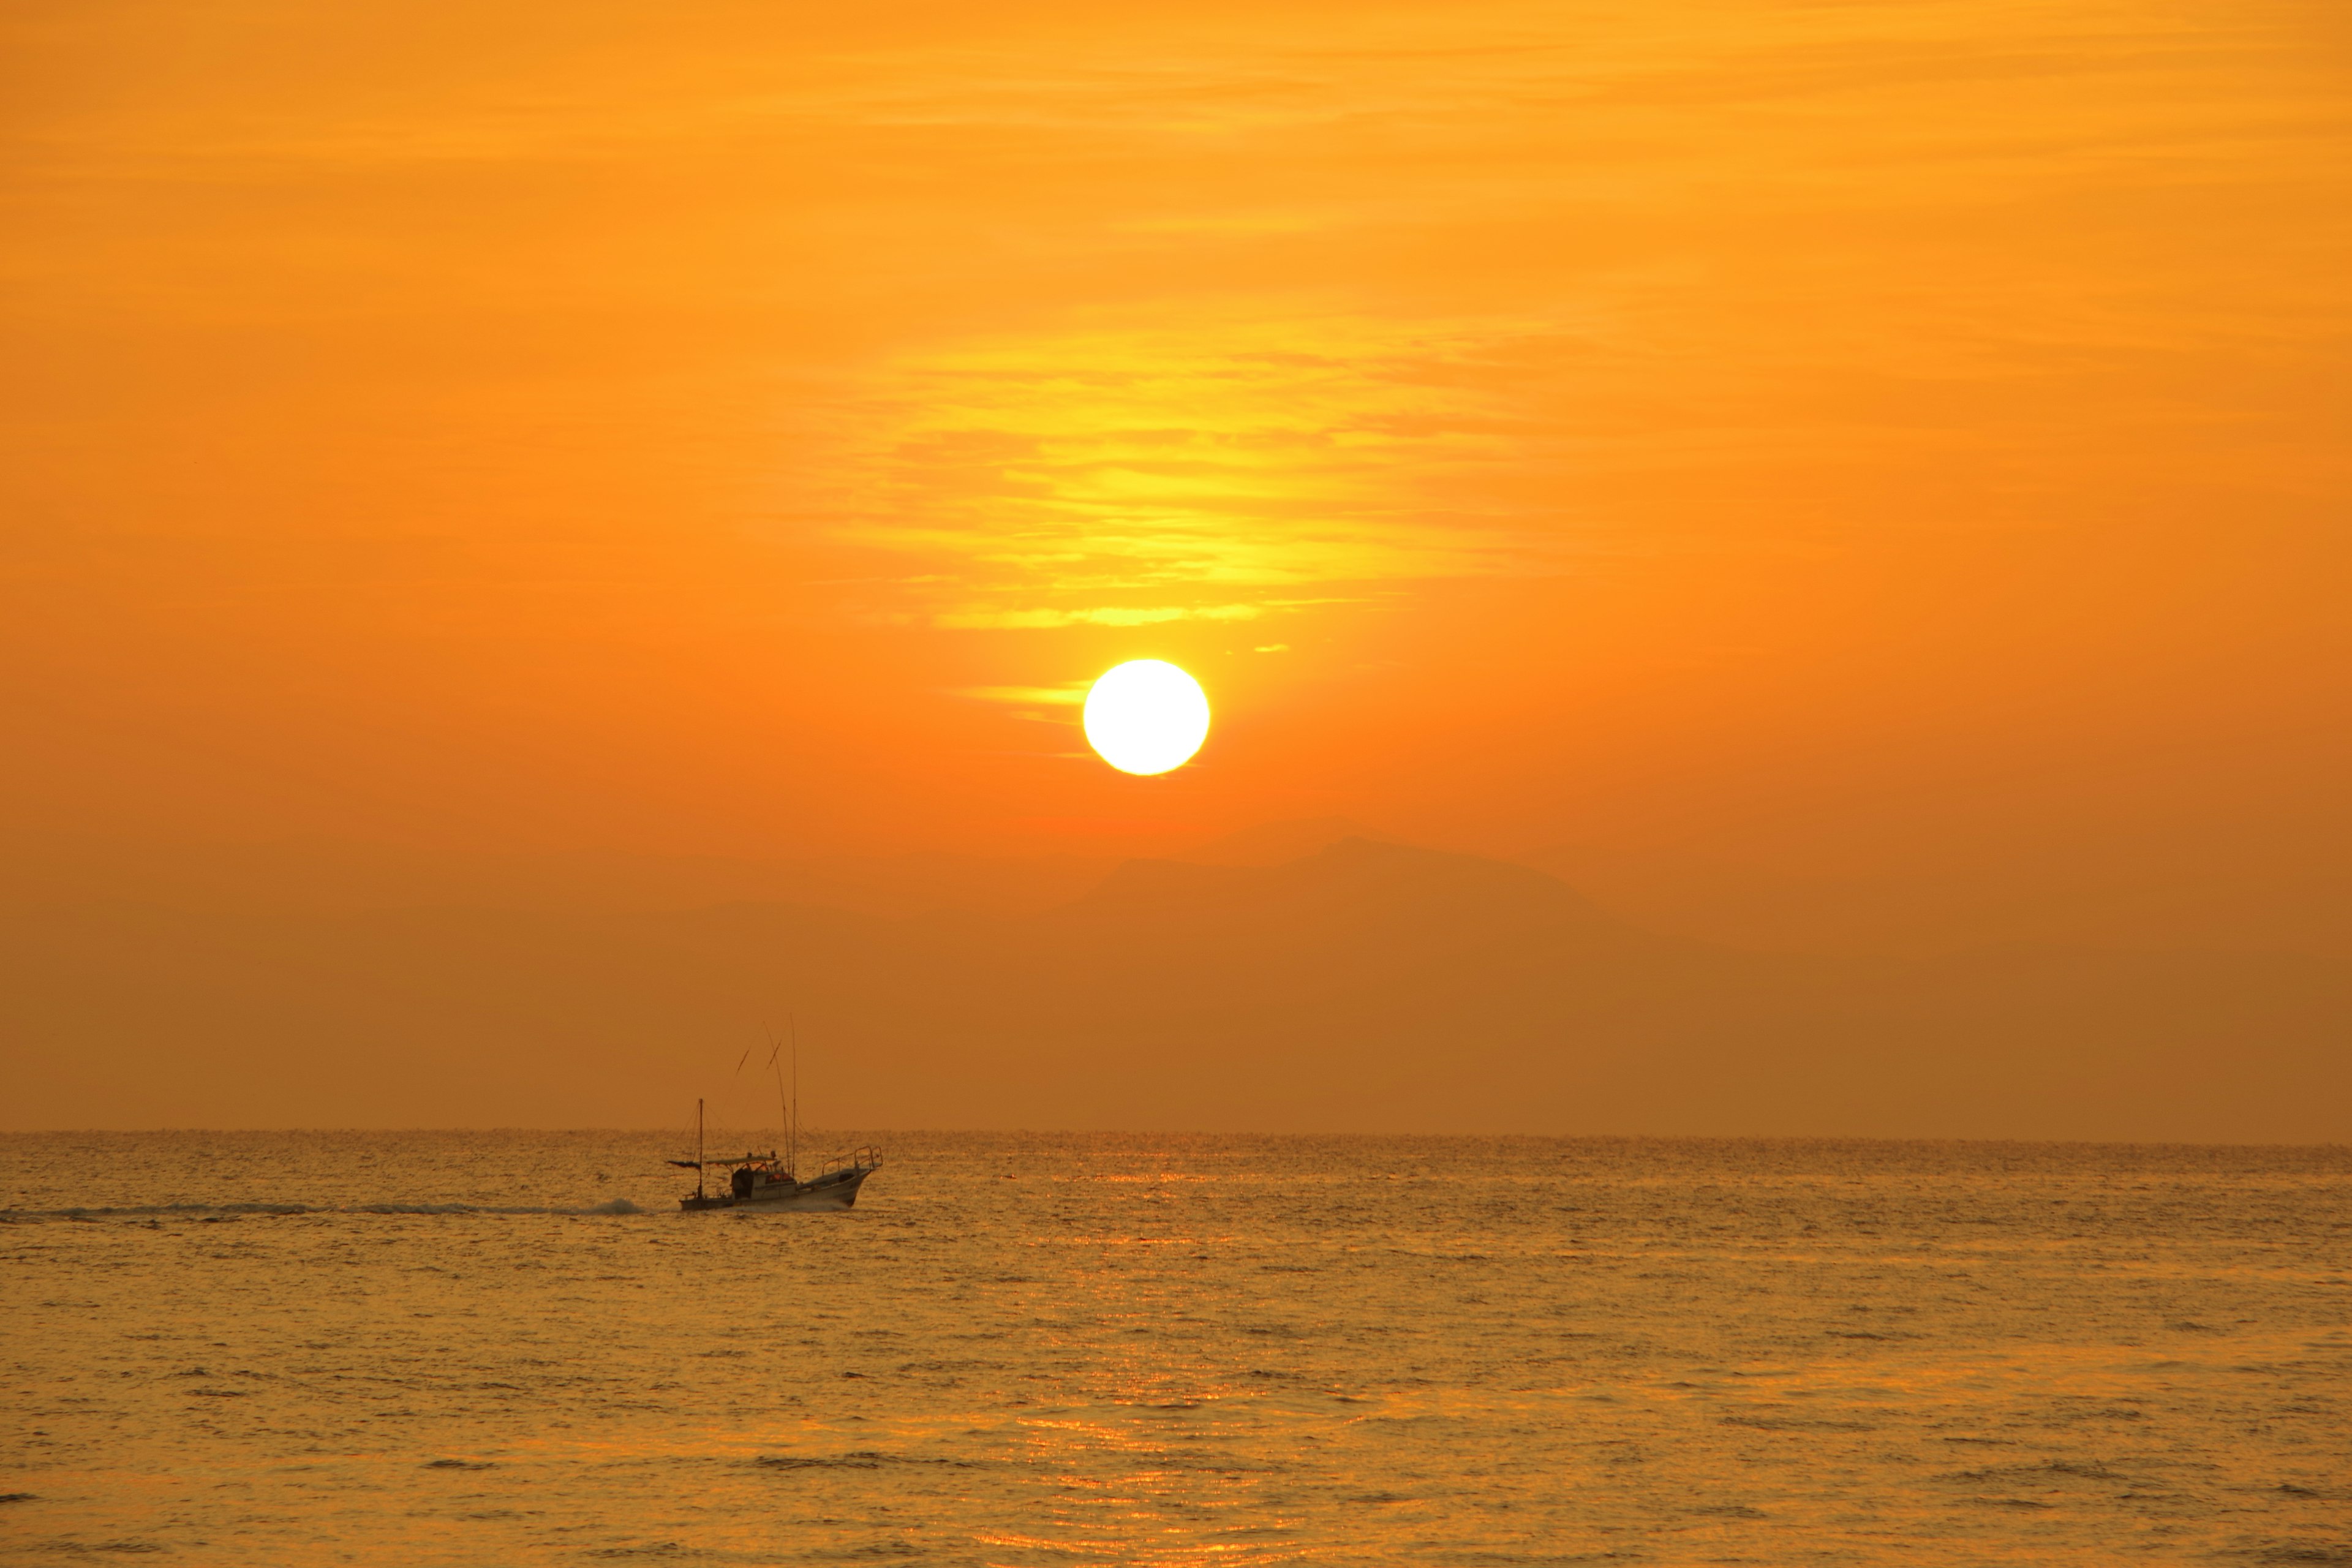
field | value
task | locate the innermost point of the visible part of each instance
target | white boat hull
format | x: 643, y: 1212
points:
x: 834, y: 1192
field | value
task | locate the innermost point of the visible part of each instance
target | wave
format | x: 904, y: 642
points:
x: 238, y: 1211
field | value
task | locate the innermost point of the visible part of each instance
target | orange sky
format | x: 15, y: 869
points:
x: 1840, y: 441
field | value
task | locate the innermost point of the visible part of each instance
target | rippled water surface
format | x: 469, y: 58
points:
x: 462, y: 1348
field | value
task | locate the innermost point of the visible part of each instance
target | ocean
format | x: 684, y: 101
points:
x: 1048, y: 1350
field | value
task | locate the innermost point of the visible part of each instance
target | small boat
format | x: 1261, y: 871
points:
x: 766, y: 1182
x: 770, y: 1181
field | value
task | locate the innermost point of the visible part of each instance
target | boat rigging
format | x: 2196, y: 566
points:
x: 773, y: 1181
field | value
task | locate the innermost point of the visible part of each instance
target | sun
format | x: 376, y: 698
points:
x: 1147, y: 716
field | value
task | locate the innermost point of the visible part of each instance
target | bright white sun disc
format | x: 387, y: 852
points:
x: 1147, y: 716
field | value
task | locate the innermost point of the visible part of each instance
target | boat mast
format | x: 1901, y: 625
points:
x: 795, y: 1026
x: 698, y: 1146
x: 783, y: 1115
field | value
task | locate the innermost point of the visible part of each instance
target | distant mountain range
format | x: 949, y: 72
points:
x: 1352, y: 984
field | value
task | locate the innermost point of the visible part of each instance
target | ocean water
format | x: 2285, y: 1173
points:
x: 510, y: 1348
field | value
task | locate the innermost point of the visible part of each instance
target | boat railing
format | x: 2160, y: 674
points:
x: 865, y: 1157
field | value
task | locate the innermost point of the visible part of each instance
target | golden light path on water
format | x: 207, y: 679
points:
x: 1033, y: 1351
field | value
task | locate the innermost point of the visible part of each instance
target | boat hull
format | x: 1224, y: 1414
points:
x: 834, y: 1189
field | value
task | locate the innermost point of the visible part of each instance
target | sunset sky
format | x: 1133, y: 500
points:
x: 1839, y: 443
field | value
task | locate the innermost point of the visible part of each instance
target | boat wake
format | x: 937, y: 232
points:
x: 241, y: 1210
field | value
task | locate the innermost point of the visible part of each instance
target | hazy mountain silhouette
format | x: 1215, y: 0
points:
x: 2087, y: 896
x: 1363, y: 986
x: 1276, y: 843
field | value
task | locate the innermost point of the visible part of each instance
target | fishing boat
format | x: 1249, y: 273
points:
x: 773, y: 1180
x: 770, y: 1181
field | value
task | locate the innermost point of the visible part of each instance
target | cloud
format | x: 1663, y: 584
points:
x: 986, y: 619
x: 1071, y: 695
x: 1209, y: 446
